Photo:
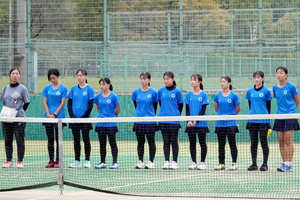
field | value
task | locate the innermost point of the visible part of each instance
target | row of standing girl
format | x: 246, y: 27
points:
x: 145, y: 99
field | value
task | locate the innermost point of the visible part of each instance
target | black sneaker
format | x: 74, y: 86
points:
x: 253, y: 168
x: 264, y: 167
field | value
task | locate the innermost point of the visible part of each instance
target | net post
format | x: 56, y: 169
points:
x: 60, y: 180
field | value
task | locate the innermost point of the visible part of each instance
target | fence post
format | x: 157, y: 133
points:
x: 181, y: 44
x: 270, y: 71
x: 223, y: 66
x: 60, y: 180
x: 187, y: 71
x: 28, y: 46
x: 232, y: 43
x: 240, y: 72
x: 298, y: 48
x: 206, y: 68
x: 125, y: 70
x: 101, y: 64
x: 147, y: 62
x: 260, y: 35
x: 105, y: 42
x: 169, y: 42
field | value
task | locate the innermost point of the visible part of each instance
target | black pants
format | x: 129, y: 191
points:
x: 77, y: 146
x: 52, y: 133
x: 113, y: 146
x: 170, y: 138
x: 232, y: 144
x: 202, y: 141
x: 9, y: 130
x: 264, y: 145
x: 141, y: 143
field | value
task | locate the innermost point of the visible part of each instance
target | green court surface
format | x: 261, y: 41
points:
x: 158, y: 182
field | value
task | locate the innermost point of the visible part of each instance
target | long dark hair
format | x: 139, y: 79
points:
x: 84, y: 72
x: 106, y: 80
x: 170, y: 75
x: 259, y: 73
x: 13, y: 69
x: 228, y: 79
x: 145, y: 75
x: 54, y: 72
x: 199, y: 78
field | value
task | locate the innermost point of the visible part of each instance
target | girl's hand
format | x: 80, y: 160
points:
x: 189, y: 124
x: 194, y: 123
x: 51, y: 116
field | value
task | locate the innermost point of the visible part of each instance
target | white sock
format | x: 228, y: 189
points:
x: 287, y: 163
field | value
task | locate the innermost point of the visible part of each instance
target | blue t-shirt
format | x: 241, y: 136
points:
x: 195, y: 103
x: 144, y: 103
x: 81, y: 98
x: 170, y: 99
x: 226, y: 106
x: 54, y: 99
x: 107, y: 108
x: 285, y: 98
x: 258, y: 101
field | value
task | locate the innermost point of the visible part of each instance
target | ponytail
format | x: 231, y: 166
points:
x: 201, y: 86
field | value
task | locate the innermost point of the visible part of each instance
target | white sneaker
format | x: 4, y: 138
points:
x: 201, y: 166
x: 150, y: 165
x: 87, y: 164
x: 7, y: 164
x: 233, y: 166
x: 193, y: 166
x: 114, y: 166
x: 174, y: 165
x: 140, y: 165
x: 220, y: 167
x: 166, y: 165
x: 20, y: 164
x: 75, y: 164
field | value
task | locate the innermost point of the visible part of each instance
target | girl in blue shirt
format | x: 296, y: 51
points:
x: 108, y: 106
x: 80, y: 105
x: 259, y: 99
x: 171, y: 104
x: 287, y: 101
x: 226, y: 103
x: 196, y: 102
x: 54, y: 97
x: 145, y: 102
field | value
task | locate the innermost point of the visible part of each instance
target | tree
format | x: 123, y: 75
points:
x: 50, y: 20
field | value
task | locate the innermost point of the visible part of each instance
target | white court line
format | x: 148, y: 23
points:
x: 183, y: 177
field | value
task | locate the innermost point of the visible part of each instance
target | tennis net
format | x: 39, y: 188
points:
x: 127, y: 179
